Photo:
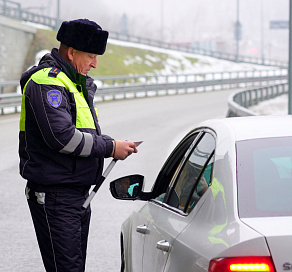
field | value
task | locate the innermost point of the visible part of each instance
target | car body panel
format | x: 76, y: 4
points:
x: 164, y: 224
x: 194, y: 247
x: 277, y: 231
x: 133, y: 241
x: 154, y: 258
x: 252, y: 127
x: 213, y: 228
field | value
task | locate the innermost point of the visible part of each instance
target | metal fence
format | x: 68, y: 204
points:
x: 193, y: 77
x: 8, y: 87
x: 123, y: 87
x: 239, y: 102
x: 152, y: 85
x: 13, y: 10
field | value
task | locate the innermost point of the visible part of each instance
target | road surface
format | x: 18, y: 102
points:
x: 158, y: 121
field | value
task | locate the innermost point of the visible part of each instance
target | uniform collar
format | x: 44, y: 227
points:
x: 68, y: 69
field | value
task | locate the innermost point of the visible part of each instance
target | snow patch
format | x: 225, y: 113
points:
x: 275, y: 106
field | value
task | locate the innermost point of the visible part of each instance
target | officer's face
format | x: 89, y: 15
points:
x: 125, y: 185
x: 83, y: 61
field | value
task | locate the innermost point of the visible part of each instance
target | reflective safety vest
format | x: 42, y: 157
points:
x: 53, y: 76
x: 217, y: 188
x: 53, y: 153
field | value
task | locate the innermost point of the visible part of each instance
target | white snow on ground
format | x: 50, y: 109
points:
x: 205, y: 64
x: 275, y: 106
x: 36, y: 25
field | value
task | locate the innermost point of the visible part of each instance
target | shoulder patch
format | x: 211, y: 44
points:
x: 54, y: 72
x: 54, y: 98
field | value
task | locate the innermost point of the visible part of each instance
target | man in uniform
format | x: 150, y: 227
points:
x: 61, y: 146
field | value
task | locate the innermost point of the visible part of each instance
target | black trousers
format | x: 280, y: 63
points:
x: 61, y: 226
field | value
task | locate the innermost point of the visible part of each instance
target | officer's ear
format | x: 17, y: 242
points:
x: 70, y: 53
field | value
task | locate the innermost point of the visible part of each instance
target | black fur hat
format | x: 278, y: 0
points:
x: 83, y: 35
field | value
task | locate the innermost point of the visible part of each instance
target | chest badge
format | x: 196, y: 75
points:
x: 54, y: 98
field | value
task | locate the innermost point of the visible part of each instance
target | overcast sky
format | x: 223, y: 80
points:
x: 184, y: 20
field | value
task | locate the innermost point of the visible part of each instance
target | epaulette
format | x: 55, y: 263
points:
x: 54, y: 72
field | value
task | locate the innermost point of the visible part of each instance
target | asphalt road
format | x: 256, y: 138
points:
x: 158, y: 121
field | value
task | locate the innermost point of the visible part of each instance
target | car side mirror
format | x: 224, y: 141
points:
x: 127, y: 188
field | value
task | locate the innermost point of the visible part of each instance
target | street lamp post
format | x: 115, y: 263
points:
x: 290, y: 62
x: 58, y: 15
x: 262, y: 33
x: 162, y: 20
x: 237, y: 31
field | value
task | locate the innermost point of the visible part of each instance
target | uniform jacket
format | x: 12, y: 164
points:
x: 60, y: 141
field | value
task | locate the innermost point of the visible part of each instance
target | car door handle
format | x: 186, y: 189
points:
x: 163, y: 245
x: 142, y: 229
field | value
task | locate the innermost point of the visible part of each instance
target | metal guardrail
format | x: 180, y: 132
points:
x: 205, y: 81
x: 12, y: 100
x: 239, y: 102
x: 13, y: 10
x: 10, y: 86
x: 161, y: 85
x: 177, y: 78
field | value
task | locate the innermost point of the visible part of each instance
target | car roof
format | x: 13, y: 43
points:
x: 252, y: 127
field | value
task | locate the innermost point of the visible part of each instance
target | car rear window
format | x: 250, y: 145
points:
x: 264, y: 177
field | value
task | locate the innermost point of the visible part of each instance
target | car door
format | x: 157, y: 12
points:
x: 137, y: 232
x: 168, y: 215
x: 137, y: 225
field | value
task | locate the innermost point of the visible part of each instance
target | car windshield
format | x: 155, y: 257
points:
x: 264, y: 177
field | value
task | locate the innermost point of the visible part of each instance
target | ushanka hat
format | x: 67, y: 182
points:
x: 83, y: 35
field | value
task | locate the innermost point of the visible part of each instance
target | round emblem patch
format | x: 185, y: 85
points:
x: 54, y: 98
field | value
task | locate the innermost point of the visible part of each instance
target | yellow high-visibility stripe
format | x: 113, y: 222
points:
x: 84, y: 118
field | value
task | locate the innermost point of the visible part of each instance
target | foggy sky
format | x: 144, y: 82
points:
x: 185, y: 20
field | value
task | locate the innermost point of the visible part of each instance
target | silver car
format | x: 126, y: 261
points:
x: 221, y: 202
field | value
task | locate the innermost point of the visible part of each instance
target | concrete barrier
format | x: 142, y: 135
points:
x: 15, y: 38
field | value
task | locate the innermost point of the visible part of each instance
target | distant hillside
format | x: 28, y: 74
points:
x: 124, y: 58
x: 117, y: 60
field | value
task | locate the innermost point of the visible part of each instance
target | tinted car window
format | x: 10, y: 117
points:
x: 204, y: 183
x: 195, y: 173
x: 169, y: 171
x: 264, y: 177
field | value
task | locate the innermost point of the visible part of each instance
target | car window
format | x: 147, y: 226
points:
x: 193, y: 176
x: 264, y: 177
x: 172, y: 165
x: 203, y: 185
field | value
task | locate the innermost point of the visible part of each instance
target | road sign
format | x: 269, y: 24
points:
x: 237, y: 31
x: 279, y: 24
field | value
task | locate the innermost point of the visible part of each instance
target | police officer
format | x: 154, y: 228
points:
x: 61, y: 146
